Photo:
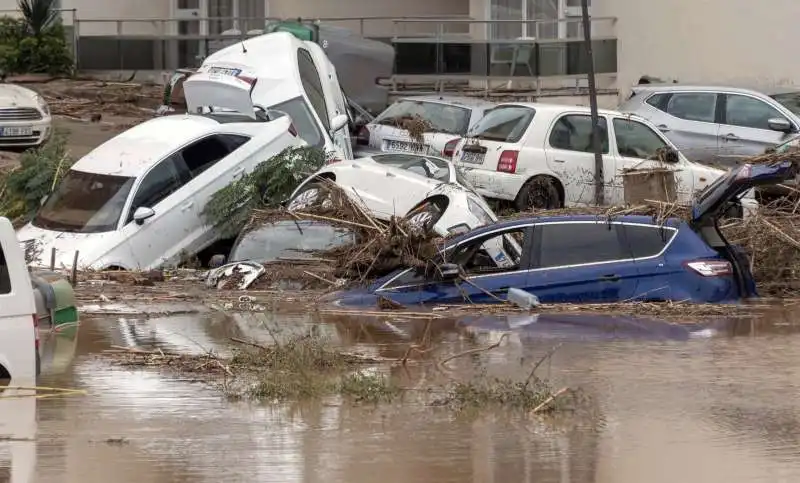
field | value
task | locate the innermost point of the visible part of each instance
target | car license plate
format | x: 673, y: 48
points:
x: 402, y: 146
x: 471, y: 157
x: 16, y: 131
x: 224, y: 71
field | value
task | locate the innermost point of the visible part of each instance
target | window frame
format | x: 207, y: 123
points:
x: 601, y: 120
x: 715, y: 115
x: 621, y: 238
x: 180, y: 171
x: 225, y: 139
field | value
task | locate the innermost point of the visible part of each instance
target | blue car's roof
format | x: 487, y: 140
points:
x: 640, y: 219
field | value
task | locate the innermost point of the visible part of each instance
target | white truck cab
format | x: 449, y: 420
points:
x: 19, y: 324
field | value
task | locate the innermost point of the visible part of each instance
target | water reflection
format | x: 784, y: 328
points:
x: 715, y: 395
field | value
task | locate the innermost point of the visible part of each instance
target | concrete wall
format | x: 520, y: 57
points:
x: 708, y: 41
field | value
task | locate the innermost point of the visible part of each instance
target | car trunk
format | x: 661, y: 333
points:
x: 717, y: 198
x: 218, y: 90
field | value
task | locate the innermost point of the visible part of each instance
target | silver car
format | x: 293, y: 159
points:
x: 718, y: 125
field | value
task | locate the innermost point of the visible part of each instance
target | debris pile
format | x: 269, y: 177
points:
x: 92, y: 100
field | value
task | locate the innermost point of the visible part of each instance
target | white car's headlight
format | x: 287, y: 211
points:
x: 43, y: 105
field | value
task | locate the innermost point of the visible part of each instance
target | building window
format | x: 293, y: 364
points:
x: 536, y: 18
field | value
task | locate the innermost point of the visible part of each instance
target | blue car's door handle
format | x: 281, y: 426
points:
x: 610, y: 278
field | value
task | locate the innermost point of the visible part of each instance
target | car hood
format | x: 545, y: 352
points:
x: 91, y: 247
x: 17, y: 96
x: 219, y: 90
x: 712, y: 201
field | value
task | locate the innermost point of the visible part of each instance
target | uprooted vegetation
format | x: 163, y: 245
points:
x: 309, y: 367
x: 23, y: 186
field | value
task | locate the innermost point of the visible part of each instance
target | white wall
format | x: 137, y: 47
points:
x: 708, y: 41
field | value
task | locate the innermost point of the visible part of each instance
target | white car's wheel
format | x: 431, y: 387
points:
x: 425, y: 216
x: 311, y: 196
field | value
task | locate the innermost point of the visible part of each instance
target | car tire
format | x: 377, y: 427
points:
x: 538, y: 194
x: 312, y: 195
x: 425, y: 216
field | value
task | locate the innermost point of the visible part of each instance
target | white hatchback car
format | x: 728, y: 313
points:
x: 428, y: 190
x: 25, y: 119
x: 540, y: 156
x: 450, y: 118
x: 135, y: 201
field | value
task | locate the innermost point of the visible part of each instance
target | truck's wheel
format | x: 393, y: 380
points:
x: 312, y: 195
x: 539, y: 193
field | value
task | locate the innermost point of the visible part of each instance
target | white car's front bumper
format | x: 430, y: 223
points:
x: 24, y: 133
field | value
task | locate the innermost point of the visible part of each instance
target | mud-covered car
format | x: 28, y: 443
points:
x: 282, y: 240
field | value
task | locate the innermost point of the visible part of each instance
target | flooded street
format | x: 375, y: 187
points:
x: 710, y: 402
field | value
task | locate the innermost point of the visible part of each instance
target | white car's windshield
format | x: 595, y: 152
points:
x: 288, y: 239
x: 504, y: 124
x: 430, y: 167
x: 444, y: 118
x: 85, y: 203
x: 302, y: 120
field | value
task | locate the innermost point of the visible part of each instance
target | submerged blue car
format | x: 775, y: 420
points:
x: 590, y: 259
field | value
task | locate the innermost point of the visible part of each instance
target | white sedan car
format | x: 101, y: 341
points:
x: 449, y: 118
x: 25, y: 119
x: 428, y: 190
x: 540, y: 156
x: 136, y: 201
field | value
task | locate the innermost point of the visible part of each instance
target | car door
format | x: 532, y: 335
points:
x: 569, y: 152
x: 638, y: 147
x: 646, y: 244
x: 487, y: 277
x: 580, y: 262
x: 160, y: 237
x: 745, y: 128
x: 689, y: 120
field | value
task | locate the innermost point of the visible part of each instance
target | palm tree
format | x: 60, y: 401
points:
x: 39, y: 15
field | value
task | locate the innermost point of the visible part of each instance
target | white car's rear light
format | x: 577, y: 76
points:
x: 711, y: 268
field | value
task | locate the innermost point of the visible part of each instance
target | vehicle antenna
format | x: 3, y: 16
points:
x: 244, y: 48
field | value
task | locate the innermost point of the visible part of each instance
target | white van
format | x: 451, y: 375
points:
x: 19, y: 324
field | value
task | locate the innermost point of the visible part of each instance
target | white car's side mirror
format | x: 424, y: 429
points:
x: 338, y: 123
x: 142, y: 213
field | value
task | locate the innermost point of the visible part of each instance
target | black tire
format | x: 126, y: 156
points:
x: 538, y: 194
x: 311, y: 196
x: 425, y: 216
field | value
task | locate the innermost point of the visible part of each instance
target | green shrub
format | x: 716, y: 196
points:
x: 35, y: 43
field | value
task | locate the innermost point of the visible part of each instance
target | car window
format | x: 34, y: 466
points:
x: 302, y: 119
x: 499, y: 253
x: 201, y: 155
x: 505, y: 124
x: 564, y: 244
x: 445, y: 118
x: 289, y: 239
x: 658, y: 100
x: 744, y: 111
x: 5, y: 278
x: 573, y: 132
x: 693, y: 106
x: 430, y: 167
x: 309, y: 76
x: 637, y: 140
x: 647, y: 241
x: 85, y: 203
x: 789, y: 100
x: 410, y: 277
x: 158, y: 183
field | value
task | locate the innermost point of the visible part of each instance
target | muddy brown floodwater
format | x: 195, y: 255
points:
x: 707, y: 402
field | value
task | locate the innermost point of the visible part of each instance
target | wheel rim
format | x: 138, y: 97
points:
x: 538, y: 198
x: 304, y: 199
x: 421, y: 220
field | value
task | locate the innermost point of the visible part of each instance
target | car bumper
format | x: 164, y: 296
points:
x: 41, y: 131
